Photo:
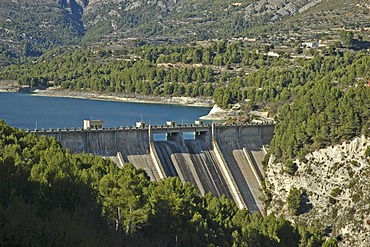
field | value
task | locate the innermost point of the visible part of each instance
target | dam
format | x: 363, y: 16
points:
x: 221, y: 159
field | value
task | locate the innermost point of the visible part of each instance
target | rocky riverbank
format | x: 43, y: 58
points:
x: 9, y: 86
x: 219, y: 114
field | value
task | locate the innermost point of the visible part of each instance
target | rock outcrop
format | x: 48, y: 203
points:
x: 336, y: 181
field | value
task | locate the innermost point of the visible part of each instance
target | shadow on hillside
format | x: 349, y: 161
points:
x: 359, y: 45
x: 305, y: 205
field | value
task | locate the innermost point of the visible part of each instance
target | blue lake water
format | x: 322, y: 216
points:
x: 26, y: 111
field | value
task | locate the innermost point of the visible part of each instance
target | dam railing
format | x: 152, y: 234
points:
x: 155, y: 128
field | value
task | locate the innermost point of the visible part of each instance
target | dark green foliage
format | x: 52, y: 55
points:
x: 255, y: 231
x: 155, y: 70
x: 329, y: 109
x: 347, y: 38
x: 290, y: 167
x: 50, y: 197
x: 330, y: 243
x: 43, y: 199
x: 367, y: 152
x: 294, y: 200
x: 311, y: 235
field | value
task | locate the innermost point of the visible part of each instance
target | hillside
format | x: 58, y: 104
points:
x: 50, y: 197
x: 184, y: 20
x: 334, y: 190
x: 28, y: 28
x: 320, y: 20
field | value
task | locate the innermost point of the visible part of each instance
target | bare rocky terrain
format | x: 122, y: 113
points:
x: 335, y: 180
x: 56, y: 92
x: 9, y: 86
x: 278, y: 9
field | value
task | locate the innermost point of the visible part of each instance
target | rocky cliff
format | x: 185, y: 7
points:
x: 336, y: 188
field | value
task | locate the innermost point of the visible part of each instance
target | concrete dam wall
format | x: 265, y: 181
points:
x: 223, y: 160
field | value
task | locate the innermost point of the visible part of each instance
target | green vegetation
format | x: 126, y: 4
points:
x: 294, y: 200
x: 367, y: 152
x: 39, y: 25
x: 151, y: 70
x: 330, y: 243
x: 290, y: 167
x: 330, y: 108
x: 335, y: 192
x: 52, y: 197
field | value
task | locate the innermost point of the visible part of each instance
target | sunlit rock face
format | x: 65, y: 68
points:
x: 336, y: 182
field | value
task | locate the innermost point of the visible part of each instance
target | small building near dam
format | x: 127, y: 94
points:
x: 93, y: 124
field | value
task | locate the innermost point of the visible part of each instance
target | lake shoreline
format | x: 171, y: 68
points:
x: 12, y: 86
x: 185, y: 101
x: 28, y: 111
x: 215, y: 113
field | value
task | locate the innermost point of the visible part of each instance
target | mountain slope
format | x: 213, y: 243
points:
x: 28, y: 27
x: 186, y: 19
x: 322, y: 20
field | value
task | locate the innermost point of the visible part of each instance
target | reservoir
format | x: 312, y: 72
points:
x: 27, y: 111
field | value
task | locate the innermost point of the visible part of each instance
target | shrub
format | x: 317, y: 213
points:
x: 335, y: 192
x: 367, y: 152
x: 290, y: 167
x: 294, y: 200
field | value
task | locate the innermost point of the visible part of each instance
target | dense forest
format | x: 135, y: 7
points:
x: 52, y: 197
x: 159, y: 70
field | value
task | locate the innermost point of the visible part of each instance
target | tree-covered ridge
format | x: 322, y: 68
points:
x: 229, y: 71
x: 52, y: 197
x: 47, y: 195
x: 325, y: 111
x: 160, y: 70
